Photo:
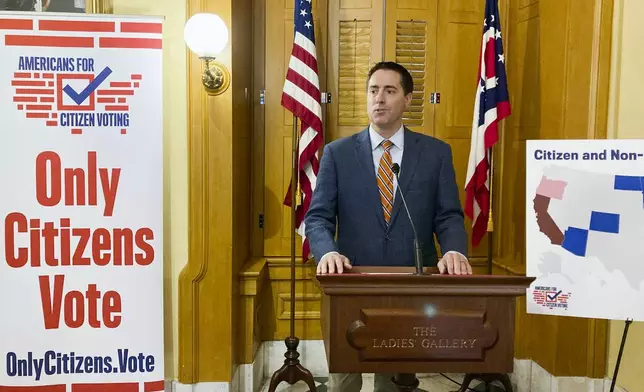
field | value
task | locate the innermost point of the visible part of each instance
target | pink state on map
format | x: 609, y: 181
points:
x: 553, y: 189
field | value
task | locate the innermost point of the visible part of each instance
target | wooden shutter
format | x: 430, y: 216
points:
x: 355, y: 44
x: 354, y: 64
x: 411, y: 46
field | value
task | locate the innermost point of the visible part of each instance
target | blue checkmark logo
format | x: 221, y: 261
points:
x: 553, y: 297
x: 87, y: 91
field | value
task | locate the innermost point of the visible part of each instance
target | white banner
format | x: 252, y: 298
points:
x: 584, y: 228
x: 81, y: 285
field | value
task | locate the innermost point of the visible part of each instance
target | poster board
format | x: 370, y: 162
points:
x: 584, y: 228
x: 81, y: 282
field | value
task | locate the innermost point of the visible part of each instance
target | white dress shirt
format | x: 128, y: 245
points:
x: 396, y: 151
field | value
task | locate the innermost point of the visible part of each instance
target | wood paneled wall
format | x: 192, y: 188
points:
x: 99, y: 7
x: 219, y: 149
x: 558, y: 67
x: 232, y: 298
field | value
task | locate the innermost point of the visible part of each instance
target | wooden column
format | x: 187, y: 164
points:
x: 219, y: 151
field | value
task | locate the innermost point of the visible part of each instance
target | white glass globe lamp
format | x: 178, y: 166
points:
x: 206, y: 35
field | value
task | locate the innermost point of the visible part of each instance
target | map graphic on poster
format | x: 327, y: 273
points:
x: 585, y: 228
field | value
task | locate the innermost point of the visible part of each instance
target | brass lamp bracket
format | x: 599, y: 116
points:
x: 216, y: 77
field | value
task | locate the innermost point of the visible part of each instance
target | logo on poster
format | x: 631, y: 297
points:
x: 73, y: 92
x: 551, y: 297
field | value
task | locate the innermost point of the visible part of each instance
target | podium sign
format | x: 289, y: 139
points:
x: 415, y: 335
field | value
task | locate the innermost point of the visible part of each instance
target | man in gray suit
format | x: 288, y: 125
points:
x: 357, y: 190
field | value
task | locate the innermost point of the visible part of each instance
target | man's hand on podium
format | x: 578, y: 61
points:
x: 333, y: 262
x: 454, y: 263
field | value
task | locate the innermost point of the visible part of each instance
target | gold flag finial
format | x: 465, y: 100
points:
x: 490, y: 221
x: 298, y: 195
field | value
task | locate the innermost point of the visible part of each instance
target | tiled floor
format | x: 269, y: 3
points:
x: 429, y: 383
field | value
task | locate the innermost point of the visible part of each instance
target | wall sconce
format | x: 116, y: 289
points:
x: 207, y: 35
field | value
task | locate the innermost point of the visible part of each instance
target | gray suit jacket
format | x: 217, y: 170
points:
x: 346, y: 194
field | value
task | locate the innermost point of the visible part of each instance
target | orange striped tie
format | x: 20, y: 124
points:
x: 386, y: 181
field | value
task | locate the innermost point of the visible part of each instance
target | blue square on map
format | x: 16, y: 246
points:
x: 604, y: 222
x: 575, y: 240
x: 629, y: 183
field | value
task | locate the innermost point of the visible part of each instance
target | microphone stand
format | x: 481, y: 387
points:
x: 418, y: 253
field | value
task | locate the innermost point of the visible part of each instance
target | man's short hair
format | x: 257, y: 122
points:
x: 406, y: 80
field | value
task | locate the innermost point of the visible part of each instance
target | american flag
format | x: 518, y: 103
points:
x: 301, y: 96
x: 492, y: 104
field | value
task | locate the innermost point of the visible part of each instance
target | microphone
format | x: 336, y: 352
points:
x: 418, y: 253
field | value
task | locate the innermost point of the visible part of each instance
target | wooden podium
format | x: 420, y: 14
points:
x: 390, y: 320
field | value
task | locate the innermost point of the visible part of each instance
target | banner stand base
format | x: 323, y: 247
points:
x: 621, y: 351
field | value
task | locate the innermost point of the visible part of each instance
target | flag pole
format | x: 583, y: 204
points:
x: 295, y: 180
x: 490, y: 218
x: 292, y: 371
